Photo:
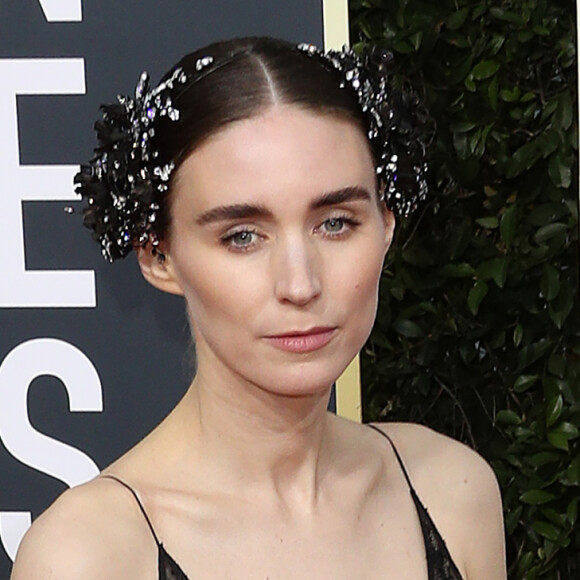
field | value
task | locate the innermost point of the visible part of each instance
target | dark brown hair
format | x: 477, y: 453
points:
x: 142, y: 140
x: 247, y: 76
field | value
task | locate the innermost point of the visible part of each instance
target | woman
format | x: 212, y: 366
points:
x: 259, y: 180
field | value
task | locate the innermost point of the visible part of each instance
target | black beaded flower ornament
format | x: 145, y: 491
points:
x: 122, y: 182
x: 399, y: 128
x: 125, y: 182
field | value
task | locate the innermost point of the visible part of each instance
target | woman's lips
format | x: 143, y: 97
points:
x: 301, y: 342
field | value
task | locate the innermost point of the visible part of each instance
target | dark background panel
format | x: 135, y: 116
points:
x: 137, y: 338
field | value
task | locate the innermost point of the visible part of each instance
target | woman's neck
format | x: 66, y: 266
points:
x: 254, y: 440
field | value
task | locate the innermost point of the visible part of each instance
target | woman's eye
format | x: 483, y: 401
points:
x: 337, y: 226
x: 240, y: 240
x: 334, y: 225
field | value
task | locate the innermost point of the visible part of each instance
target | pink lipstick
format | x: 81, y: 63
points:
x: 303, y: 341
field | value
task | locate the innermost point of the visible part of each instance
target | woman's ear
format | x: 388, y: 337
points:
x: 390, y: 222
x: 157, y: 269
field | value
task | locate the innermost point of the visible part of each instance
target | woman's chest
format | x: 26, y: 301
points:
x: 371, y: 546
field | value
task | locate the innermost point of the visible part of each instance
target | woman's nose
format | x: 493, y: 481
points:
x: 297, y: 272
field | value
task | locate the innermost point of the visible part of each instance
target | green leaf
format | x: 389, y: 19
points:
x: 559, y: 171
x: 507, y: 225
x: 485, y: 69
x: 557, y: 365
x: 525, y: 35
x: 512, y: 519
x: 524, y: 564
x: 547, y: 213
x: 416, y: 39
x: 554, y: 516
x: 469, y: 83
x: 561, y: 306
x: 524, y: 382
x: 510, y: 96
x: 572, y: 475
x: 549, y: 142
x: 546, y: 530
x: 456, y: 19
x: 495, y: 269
x: 490, y: 223
x: 403, y: 47
x: 398, y: 293
x: 407, y: 328
x: 523, y: 434
x: 496, y: 42
x: 461, y: 70
x: 560, y: 435
x: 532, y: 352
x: 537, y: 497
x: 462, y: 127
x: 517, y: 338
x: 554, y: 410
x: 559, y: 441
x: 476, y: 295
x: 544, y: 458
x: 524, y: 157
x: 474, y: 141
x: 540, y: 30
x: 507, y: 15
x: 527, y: 97
x: 550, y: 282
x: 567, y: 429
x: 508, y: 417
x: 462, y: 270
x: 566, y: 110
x: 544, y: 233
x: 549, y: 108
x: 458, y: 40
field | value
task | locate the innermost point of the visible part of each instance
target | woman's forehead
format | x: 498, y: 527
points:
x: 282, y: 151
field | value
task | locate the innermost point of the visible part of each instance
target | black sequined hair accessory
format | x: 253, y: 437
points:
x: 125, y: 182
x: 399, y: 128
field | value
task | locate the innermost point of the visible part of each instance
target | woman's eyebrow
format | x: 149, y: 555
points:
x: 248, y: 210
x: 354, y: 193
x: 232, y: 212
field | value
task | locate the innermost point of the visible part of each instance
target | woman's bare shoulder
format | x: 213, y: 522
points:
x: 441, y: 467
x: 91, y: 531
x: 424, y: 449
x: 461, y: 492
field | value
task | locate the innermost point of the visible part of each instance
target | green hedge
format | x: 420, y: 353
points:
x: 478, y: 329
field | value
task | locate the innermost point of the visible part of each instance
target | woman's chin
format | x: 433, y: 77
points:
x: 308, y: 380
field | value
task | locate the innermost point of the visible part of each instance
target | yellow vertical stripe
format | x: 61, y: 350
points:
x: 348, y: 395
x: 335, y: 14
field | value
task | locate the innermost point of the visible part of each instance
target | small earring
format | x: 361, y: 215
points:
x: 159, y: 255
x: 155, y: 251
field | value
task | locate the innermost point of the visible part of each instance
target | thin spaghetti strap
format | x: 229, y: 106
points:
x: 440, y: 564
x: 136, y: 496
x: 396, y: 454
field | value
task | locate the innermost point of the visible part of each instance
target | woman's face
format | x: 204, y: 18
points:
x: 277, y: 242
